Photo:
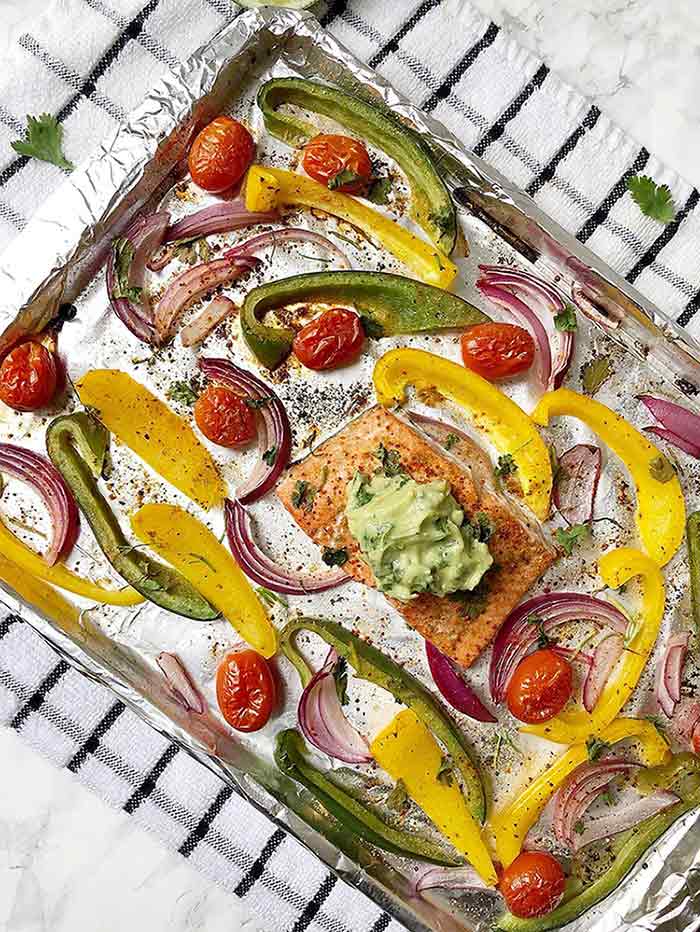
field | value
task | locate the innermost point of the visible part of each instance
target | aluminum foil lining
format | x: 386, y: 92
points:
x: 58, y: 259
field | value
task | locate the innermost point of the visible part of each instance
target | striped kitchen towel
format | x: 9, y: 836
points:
x: 89, y: 62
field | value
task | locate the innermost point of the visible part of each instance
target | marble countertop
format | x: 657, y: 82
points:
x: 60, y: 846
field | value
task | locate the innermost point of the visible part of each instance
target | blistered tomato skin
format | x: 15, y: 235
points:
x: 540, y: 687
x: 497, y: 351
x: 224, y: 417
x: 327, y: 155
x: 28, y: 377
x: 221, y: 154
x: 533, y: 884
x: 245, y: 690
x: 334, y: 338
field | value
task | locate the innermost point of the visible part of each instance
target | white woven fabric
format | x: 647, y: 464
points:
x: 89, y: 62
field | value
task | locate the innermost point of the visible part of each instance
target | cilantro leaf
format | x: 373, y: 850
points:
x: 655, y: 201
x: 483, y: 527
x: 566, y: 319
x: 567, y: 538
x: 579, y: 827
x: 182, y: 392
x: 450, y: 441
x: 334, y: 557
x: 344, y: 176
x: 390, y: 461
x: 380, y: 191
x: 269, y: 456
x: 543, y: 639
x: 660, y: 468
x: 595, y: 372
x: 506, y: 466
x: 596, y: 748
x: 303, y: 495
x: 44, y: 137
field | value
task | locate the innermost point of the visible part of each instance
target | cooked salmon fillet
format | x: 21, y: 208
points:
x: 520, y: 553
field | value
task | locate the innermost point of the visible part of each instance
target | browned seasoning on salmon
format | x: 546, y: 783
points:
x: 520, y: 554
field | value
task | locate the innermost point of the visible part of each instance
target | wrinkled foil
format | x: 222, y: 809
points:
x: 58, y: 259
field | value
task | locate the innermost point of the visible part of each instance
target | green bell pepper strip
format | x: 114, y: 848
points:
x: 77, y: 445
x: 388, y: 304
x: 350, y: 812
x: 431, y: 204
x: 371, y: 665
x: 630, y: 847
x: 692, y: 536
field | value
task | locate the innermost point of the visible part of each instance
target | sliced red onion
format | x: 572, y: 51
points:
x: 670, y: 672
x: 217, y: 310
x: 191, y: 284
x: 454, y: 689
x: 517, y: 635
x: 47, y: 482
x: 547, y: 301
x: 145, y: 235
x: 264, y: 571
x: 686, y: 724
x: 323, y: 722
x: 675, y: 418
x: 276, y: 432
x: 289, y: 234
x: 624, y: 817
x: 522, y: 312
x: 218, y: 218
x: 181, y: 686
x: 605, y: 657
x: 577, y: 483
x: 580, y: 790
x: 691, y: 449
x: 431, y: 877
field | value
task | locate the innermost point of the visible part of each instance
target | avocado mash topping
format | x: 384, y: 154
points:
x: 414, y: 536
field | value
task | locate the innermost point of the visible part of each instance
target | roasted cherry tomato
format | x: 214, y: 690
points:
x: 245, y: 690
x: 533, y: 884
x: 333, y: 339
x: 497, y: 351
x: 28, y: 377
x: 540, y: 687
x: 220, y: 154
x: 326, y: 156
x: 224, y: 417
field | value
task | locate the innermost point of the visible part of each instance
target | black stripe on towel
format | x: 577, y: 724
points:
x: 461, y: 68
x: 512, y: 110
x: 549, y: 171
x: 612, y: 197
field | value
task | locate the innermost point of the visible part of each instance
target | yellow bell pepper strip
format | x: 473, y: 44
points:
x: 660, y: 506
x: 147, y: 426
x: 43, y: 597
x: 423, y: 259
x: 188, y: 545
x: 616, y: 568
x: 262, y: 188
x: 506, y: 425
x: 510, y: 824
x: 408, y: 752
x: 59, y: 575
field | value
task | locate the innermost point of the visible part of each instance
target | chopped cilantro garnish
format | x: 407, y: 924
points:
x: 596, y: 748
x: 344, y: 176
x: 269, y: 456
x: 182, y: 392
x: 566, y: 320
x: 334, y: 557
x: 506, y: 466
x: 303, y: 495
x: 567, y: 538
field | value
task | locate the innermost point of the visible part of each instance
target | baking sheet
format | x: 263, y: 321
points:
x: 58, y: 259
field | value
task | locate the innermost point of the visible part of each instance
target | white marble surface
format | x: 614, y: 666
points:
x: 60, y: 847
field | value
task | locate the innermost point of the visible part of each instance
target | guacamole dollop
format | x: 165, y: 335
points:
x: 414, y: 536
